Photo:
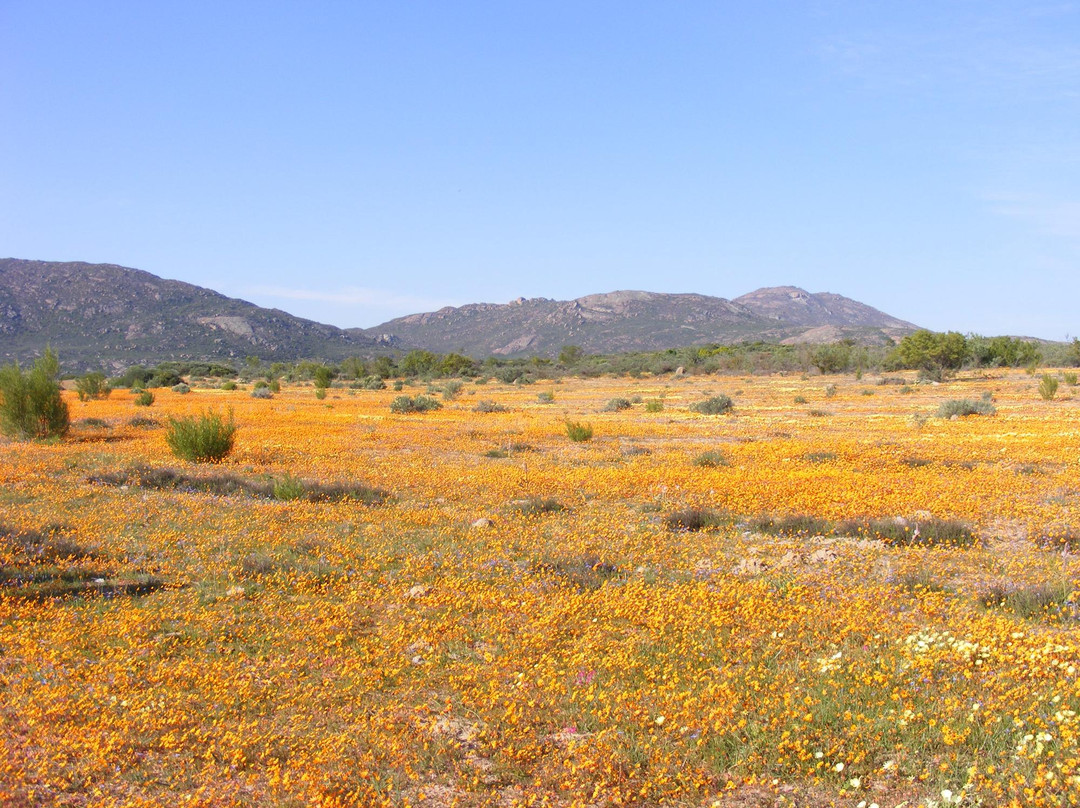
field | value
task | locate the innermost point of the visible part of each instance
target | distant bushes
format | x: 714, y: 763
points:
x: 31, y: 405
x: 962, y: 407
x: 717, y: 405
x: 408, y: 404
x: 201, y: 439
x: 617, y: 404
x: 92, y: 385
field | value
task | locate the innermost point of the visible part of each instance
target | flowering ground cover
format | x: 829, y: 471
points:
x: 514, y: 619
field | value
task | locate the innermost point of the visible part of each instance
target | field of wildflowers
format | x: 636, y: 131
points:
x: 513, y: 621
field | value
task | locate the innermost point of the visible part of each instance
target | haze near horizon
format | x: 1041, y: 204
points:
x: 351, y: 163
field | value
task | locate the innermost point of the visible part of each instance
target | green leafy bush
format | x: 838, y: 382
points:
x: 92, y: 385
x: 617, y: 404
x: 229, y: 385
x: 201, y: 439
x: 451, y: 390
x: 31, y: 405
x: 579, y: 432
x: 717, y: 405
x: 181, y: 388
x: 144, y: 398
x: 654, y: 405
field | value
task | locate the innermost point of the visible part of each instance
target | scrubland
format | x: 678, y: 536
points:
x: 512, y: 618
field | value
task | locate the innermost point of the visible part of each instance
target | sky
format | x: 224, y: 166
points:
x: 351, y: 162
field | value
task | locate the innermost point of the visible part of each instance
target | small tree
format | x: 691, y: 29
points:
x: 31, y: 405
x: 92, y: 385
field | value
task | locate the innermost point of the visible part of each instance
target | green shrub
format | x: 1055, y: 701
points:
x: 451, y: 389
x: 962, y: 407
x: 372, y: 383
x: 144, y: 399
x: 181, y: 388
x: 578, y: 431
x: 654, y: 405
x: 229, y: 385
x: 815, y: 413
x: 489, y: 406
x: 201, y: 439
x: 92, y: 385
x: 262, y: 392
x: 800, y: 399
x: 617, y: 404
x: 320, y: 393
x: 1048, y: 387
x: 717, y: 405
x: 830, y: 390
x: 31, y: 405
x: 407, y: 404
x: 1070, y: 379
x: 546, y: 397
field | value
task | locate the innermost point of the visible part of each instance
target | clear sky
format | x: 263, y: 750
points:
x: 355, y: 161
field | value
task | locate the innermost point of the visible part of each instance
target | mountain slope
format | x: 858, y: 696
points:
x: 631, y: 321
x: 102, y: 312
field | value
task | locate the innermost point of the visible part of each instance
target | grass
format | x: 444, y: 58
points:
x: 285, y: 487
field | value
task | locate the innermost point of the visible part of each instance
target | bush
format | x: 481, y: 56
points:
x: 692, y: 519
x: 1070, y: 379
x: 1048, y: 387
x: 372, y: 383
x: 229, y: 385
x: 535, y: 506
x: 579, y: 432
x: 451, y: 389
x: 546, y: 397
x: 710, y: 460
x: 800, y: 399
x: 144, y: 398
x: 654, y: 405
x: 181, y: 388
x: 92, y: 385
x: 320, y: 393
x: 617, y: 404
x: 31, y: 405
x: 406, y: 404
x: 962, y: 407
x: 489, y: 406
x: 201, y: 439
x: 717, y: 405
x: 262, y: 392
x: 830, y: 390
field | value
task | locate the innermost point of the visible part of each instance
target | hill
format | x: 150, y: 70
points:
x: 642, y: 321
x: 93, y: 313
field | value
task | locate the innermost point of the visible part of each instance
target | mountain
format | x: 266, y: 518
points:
x: 103, y: 313
x: 642, y: 321
x: 90, y: 313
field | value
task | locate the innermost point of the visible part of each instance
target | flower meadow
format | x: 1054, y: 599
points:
x: 516, y: 621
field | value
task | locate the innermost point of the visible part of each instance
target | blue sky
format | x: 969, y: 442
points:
x: 352, y: 162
